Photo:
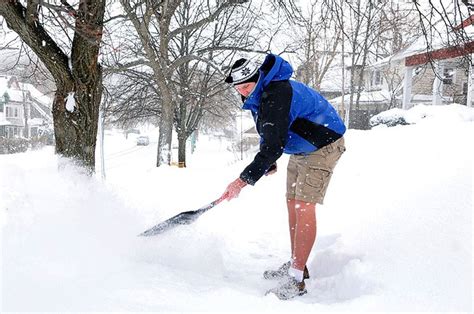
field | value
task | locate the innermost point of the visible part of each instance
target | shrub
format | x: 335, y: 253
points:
x: 389, y: 118
x: 13, y: 145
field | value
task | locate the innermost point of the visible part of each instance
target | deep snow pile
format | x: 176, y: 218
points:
x: 395, y: 233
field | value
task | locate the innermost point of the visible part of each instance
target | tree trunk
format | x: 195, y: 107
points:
x: 181, y: 131
x: 182, y: 151
x: 79, y: 76
x: 76, y: 131
x: 166, y: 131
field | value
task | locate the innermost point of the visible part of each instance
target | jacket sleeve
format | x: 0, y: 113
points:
x: 272, y: 122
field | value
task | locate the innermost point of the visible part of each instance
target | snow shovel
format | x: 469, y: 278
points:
x: 184, y: 218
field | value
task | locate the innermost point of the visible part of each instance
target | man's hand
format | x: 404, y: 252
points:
x: 233, y: 189
x: 271, y: 170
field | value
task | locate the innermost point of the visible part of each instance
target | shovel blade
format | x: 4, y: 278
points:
x: 184, y: 218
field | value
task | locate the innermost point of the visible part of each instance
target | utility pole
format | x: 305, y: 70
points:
x: 102, y: 137
x: 470, y: 85
x: 346, y: 108
x: 241, y: 136
x: 26, y: 111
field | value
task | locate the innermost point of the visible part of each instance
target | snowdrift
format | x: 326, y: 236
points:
x: 395, y: 233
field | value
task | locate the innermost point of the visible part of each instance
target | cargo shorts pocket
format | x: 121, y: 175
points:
x: 317, y: 179
x: 336, y: 147
x: 341, y: 149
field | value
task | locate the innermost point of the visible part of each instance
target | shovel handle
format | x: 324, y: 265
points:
x: 220, y: 199
x: 212, y: 204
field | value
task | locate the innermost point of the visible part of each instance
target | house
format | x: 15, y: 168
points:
x: 24, y: 111
x: 415, y: 75
x: 450, y: 68
x: 438, y: 76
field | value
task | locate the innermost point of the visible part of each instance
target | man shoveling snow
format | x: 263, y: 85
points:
x: 290, y: 118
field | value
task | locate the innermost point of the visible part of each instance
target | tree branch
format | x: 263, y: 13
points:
x: 206, y: 20
x: 36, y: 37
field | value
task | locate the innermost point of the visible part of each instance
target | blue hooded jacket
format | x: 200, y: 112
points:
x: 290, y: 117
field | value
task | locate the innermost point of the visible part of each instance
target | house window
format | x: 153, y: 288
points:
x: 12, y: 112
x: 376, y: 78
x: 448, y: 76
x: 34, y: 132
x: 464, y: 88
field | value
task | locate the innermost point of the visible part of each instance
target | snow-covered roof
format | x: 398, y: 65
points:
x: 39, y: 96
x: 13, y: 93
x: 16, y: 94
x: 379, y: 96
x: 36, y: 121
x: 332, y: 81
x: 383, y: 62
x: 420, y: 45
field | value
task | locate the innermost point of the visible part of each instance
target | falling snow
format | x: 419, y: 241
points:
x: 394, y: 233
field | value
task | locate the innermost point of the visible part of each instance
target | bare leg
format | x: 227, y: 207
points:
x: 304, y: 234
x: 291, y: 221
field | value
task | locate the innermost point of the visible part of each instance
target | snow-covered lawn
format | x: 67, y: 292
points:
x: 395, y: 233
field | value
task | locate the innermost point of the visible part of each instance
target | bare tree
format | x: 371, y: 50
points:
x: 442, y: 24
x: 370, y: 30
x: 207, y: 50
x: 134, y: 99
x: 153, y: 24
x: 440, y: 19
x: 320, y: 41
x: 73, y: 63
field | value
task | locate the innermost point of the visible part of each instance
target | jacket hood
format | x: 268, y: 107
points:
x: 273, y: 68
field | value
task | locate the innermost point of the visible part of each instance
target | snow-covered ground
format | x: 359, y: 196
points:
x: 395, y: 233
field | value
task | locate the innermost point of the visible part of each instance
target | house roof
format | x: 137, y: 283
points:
x: 373, y: 97
x: 416, y: 53
x: 16, y: 91
x: 36, y: 121
x: 440, y: 54
x: 466, y: 23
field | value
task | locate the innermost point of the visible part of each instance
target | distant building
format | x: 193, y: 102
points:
x: 24, y: 111
x: 441, y: 75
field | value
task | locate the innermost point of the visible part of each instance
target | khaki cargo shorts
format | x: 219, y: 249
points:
x: 308, y: 175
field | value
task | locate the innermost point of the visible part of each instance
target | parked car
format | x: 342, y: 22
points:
x: 143, y: 140
x: 131, y: 131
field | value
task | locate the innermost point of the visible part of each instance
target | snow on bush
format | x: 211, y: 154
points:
x: 13, y: 145
x: 390, y: 117
x: 414, y: 115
